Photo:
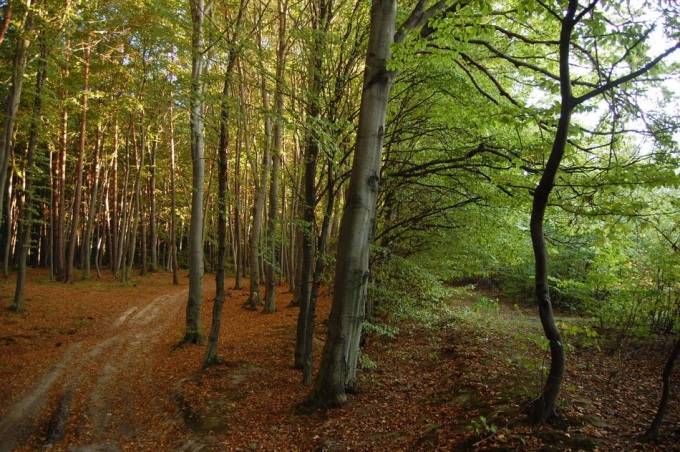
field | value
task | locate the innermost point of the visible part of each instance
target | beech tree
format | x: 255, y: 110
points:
x: 199, y: 11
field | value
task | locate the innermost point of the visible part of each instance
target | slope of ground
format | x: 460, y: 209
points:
x: 95, y: 366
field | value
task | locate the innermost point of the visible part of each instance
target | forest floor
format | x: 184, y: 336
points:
x: 95, y: 366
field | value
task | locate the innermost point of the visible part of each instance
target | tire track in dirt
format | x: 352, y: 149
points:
x: 101, y: 382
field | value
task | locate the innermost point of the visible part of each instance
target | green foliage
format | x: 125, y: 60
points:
x: 381, y: 329
x: 486, y: 305
x: 402, y: 289
x: 481, y: 426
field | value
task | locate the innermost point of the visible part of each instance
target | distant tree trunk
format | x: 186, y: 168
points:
x: 26, y: 214
x: 138, y: 155
x: 194, y: 333
x: 260, y: 178
x: 238, y: 245
x: 75, y: 207
x: 337, y: 371
x: 14, y: 98
x: 173, y: 214
x: 89, y: 228
x: 113, y: 220
x: 270, y: 293
x: 153, y: 266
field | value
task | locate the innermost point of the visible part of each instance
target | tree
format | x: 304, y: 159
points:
x: 193, y: 333
x: 338, y: 361
x: 337, y: 371
x: 19, y: 66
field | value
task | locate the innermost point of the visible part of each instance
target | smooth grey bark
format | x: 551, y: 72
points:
x: 270, y: 276
x: 26, y: 213
x: 194, y: 333
x: 337, y: 371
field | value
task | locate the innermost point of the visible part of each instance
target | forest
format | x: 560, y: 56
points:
x: 377, y: 159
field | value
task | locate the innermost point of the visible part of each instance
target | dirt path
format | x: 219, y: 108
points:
x: 97, y: 384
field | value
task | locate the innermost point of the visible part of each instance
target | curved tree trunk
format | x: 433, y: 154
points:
x: 653, y: 432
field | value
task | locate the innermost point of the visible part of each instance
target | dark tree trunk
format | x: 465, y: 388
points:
x: 26, y: 214
x: 653, y: 432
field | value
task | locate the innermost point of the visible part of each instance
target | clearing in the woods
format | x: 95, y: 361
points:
x: 96, y: 366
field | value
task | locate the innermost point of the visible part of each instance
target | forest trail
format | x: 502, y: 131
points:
x: 108, y: 376
x: 95, y: 366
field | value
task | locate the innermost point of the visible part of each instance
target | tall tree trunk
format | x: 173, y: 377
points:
x: 173, y: 213
x: 319, y: 26
x: 153, y: 265
x: 238, y: 245
x: 194, y: 333
x: 75, y: 207
x: 270, y: 286
x: 89, y: 228
x: 260, y: 178
x: 222, y: 206
x: 137, y: 206
x: 113, y: 220
x: 14, y: 99
x: 337, y: 371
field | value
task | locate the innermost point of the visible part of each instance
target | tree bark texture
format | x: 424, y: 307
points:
x: 194, y: 333
x: 337, y: 371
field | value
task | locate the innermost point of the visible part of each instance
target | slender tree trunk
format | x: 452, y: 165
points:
x: 653, y: 432
x: 238, y: 245
x: 17, y: 81
x: 337, y: 371
x: 222, y: 206
x: 319, y: 26
x: 113, y: 220
x: 136, y: 212
x: 75, y: 208
x: 543, y: 408
x: 270, y: 286
x: 260, y: 178
x: 173, y: 214
x: 194, y: 333
x: 319, y: 267
x: 87, y: 239
x: 153, y: 266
